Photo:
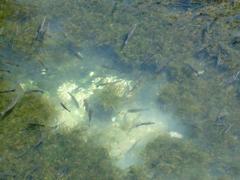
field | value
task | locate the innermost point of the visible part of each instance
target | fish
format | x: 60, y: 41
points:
x: 204, y: 33
x: 114, y: 8
x: 4, y: 70
x: 7, y: 175
x: 85, y: 105
x: 10, y: 107
x: 73, y: 49
x: 232, y: 79
x: 35, y: 91
x: 90, y: 112
x: 8, y: 91
x: 235, y: 42
x: 11, y: 63
x: 41, y: 31
x: 39, y: 143
x: 32, y: 126
x: 141, y: 124
x: 128, y: 36
x: 74, y: 100
x: 200, y: 15
x: 108, y: 83
x: 144, y: 124
x: 135, y: 110
x: 191, y: 69
x: 65, y: 107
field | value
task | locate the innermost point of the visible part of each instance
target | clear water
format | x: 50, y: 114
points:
x: 119, y: 89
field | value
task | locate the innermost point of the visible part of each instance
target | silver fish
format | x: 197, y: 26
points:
x: 74, y: 100
x: 10, y: 107
x: 128, y: 36
x: 135, y: 110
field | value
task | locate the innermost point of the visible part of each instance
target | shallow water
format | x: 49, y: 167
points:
x: 119, y: 89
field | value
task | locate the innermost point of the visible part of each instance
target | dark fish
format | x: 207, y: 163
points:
x: 190, y: 69
x: 235, y: 42
x: 233, y: 78
x: 114, y: 8
x: 144, y: 124
x: 74, y: 100
x: 30, y: 173
x: 65, y: 107
x: 33, y: 126
x: 63, y: 170
x: 128, y: 36
x: 227, y: 129
x: 135, y: 110
x: 39, y: 143
x: 7, y: 175
x: 90, y: 112
x: 41, y: 31
x: 35, y: 91
x: 85, y: 105
x: 8, y: 91
x: 10, y: 107
x: 210, y: 25
x: 73, y: 49
x: 220, y: 120
x: 204, y: 33
x: 11, y: 63
x: 4, y: 70
x: 200, y: 15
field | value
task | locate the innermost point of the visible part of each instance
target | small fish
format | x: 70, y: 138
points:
x: 41, y: 31
x: 114, y: 8
x: 35, y: 91
x: 39, y: 143
x: 108, y: 83
x: 11, y: 63
x: 33, y: 126
x: 65, y: 107
x: 8, y: 91
x: 204, y: 34
x: 233, y: 78
x: 4, y: 70
x: 141, y: 124
x: 235, y: 41
x: 85, y: 105
x: 73, y: 49
x: 128, y: 36
x: 90, y: 112
x: 74, y: 100
x: 144, y: 124
x: 191, y: 69
x: 135, y: 110
x: 10, y: 107
x: 200, y: 15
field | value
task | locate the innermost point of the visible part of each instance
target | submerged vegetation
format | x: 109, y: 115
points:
x: 172, y: 158
x: 192, y: 48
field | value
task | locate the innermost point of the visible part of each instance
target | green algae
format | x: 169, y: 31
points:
x: 172, y: 158
x: 107, y: 101
x: 195, y: 100
x: 37, y: 152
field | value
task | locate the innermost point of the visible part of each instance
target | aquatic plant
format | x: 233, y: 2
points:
x: 136, y: 173
x: 108, y: 100
x: 172, y: 158
x: 30, y: 148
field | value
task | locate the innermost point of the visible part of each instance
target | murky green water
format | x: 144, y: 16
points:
x: 119, y: 89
